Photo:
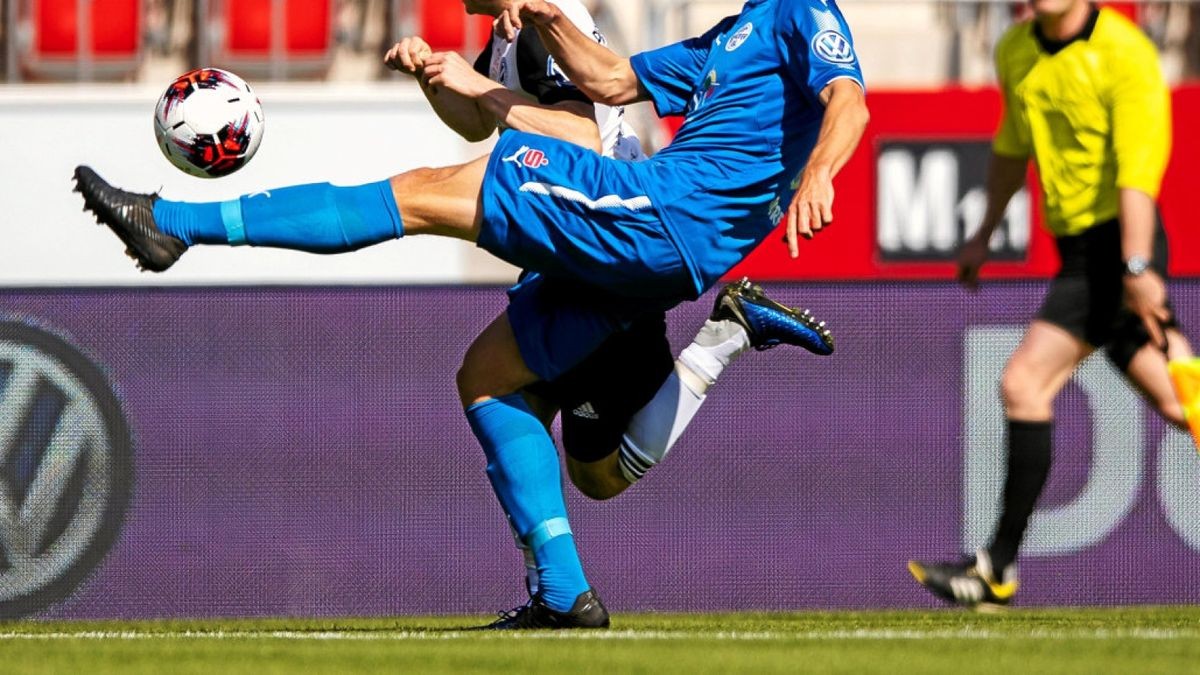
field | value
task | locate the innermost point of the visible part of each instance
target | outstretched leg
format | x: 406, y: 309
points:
x: 319, y: 217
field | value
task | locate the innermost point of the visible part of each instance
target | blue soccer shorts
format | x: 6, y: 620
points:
x: 586, y: 226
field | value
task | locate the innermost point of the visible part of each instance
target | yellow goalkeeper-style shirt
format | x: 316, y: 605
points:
x: 1094, y: 113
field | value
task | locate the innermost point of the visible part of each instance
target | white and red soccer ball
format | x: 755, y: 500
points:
x: 208, y: 122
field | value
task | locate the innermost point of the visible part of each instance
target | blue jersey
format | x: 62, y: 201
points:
x: 749, y: 90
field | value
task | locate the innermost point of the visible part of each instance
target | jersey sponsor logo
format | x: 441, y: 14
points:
x: 832, y: 46
x: 707, y: 89
x: 65, y: 468
x: 739, y: 37
x: 775, y: 210
x: 530, y: 157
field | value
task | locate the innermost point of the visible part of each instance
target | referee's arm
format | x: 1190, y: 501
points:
x: 1006, y: 175
x: 1141, y: 137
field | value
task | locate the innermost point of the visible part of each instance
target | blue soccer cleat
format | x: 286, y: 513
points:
x: 769, y: 323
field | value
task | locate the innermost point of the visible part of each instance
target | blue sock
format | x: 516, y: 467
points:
x: 523, y: 468
x: 320, y: 218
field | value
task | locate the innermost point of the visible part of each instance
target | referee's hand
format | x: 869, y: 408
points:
x: 1146, y: 296
x: 971, y: 257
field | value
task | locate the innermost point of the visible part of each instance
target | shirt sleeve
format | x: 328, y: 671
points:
x: 816, y: 45
x: 1012, y: 138
x: 483, y: 62
x: 540, y: 76
x: 670, y: 74
x: 1141, y: 118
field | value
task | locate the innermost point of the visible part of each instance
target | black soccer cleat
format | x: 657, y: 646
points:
x: 769, y: 323
x: 130, y: 215
x: 968, y: 583
x: 587, y: 612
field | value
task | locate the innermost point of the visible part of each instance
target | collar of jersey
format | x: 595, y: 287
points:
x: 1053, y: 47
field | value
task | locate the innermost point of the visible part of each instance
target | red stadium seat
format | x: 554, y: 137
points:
x: 111, y: 46
x: 306, y: 27
x: 304, y: 46
x: 446, y: 27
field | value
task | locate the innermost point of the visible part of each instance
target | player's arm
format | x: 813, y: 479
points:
x: 461, y: 113
x: 1141, y: 120
x: 572, y: 121
x: 599, y: 73
x: 845, y: 120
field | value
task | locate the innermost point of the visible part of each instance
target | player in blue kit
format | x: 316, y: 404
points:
x: 624, y: 405
x: 774, y: 105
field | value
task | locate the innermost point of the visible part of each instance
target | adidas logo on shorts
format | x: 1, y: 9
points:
x: 586, y: 411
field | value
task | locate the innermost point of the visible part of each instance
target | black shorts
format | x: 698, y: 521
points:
x: 1087, y: 298
x: 598, y: 397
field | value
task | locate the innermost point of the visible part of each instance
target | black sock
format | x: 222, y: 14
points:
x: 1028, y: 465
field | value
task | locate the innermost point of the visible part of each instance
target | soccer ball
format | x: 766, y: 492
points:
x: 208, y: 122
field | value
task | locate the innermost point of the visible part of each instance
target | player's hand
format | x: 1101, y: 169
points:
x: 408, y: 56
x: 512, y: 18
x: 811, y: 208
x: 450, y: 70
x: 1146, y: 296
x: 971, y: 257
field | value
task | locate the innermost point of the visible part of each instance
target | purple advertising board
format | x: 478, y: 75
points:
x: 301, y: 452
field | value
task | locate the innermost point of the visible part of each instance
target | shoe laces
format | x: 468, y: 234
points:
x: 512, y: 614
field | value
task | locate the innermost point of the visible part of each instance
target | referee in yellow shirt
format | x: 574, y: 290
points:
x: 1085, y: 98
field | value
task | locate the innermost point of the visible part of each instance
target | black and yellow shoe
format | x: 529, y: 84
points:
x: 970, y: 583
x: 587, y: 612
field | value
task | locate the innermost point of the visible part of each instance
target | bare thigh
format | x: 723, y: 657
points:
x: 493, y: 365
x: 445, y: 201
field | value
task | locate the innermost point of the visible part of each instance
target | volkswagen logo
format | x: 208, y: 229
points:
x: 65, y: 468
x: 833, y: 47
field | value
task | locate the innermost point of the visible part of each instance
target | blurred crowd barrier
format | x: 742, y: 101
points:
x: 300, y: 451
x: 901, y: 43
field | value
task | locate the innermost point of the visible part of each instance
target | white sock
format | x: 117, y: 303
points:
x: 655, y: 428
x: 716, y: 345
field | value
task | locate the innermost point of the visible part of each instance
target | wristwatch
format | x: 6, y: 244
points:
x: 1136, y: 265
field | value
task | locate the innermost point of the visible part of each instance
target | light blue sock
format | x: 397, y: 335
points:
x: 523, y: 468
x: 319, y: 217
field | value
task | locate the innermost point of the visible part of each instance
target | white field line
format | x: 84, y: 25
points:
x: 401, y: 635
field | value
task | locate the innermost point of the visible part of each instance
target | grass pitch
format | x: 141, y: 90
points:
x: 1127, y: 640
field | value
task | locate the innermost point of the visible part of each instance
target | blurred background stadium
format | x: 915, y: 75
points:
x: 296, y: 447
